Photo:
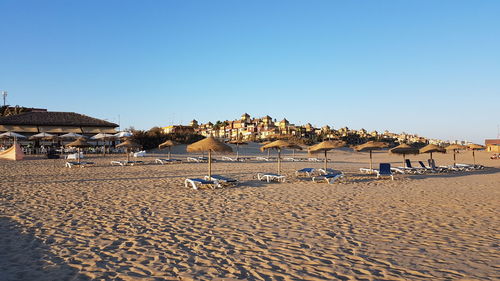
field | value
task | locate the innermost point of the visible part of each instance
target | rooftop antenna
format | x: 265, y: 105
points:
x: 4, y: 94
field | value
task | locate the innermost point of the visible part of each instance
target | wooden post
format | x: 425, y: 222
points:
x: 326, y: 160
x: 474, y: 157
x: 371, y: 163
x: 209, y: 165
x: 279, y: 161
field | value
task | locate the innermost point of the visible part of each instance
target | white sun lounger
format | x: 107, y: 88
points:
x: 126, y: 163
x: 196, y: 183
x: 329, y: 178
x: 270, y: 177
x: 81, y: 164
x: 223, y: 181
x: 167, y: 161
x: 198, y: 159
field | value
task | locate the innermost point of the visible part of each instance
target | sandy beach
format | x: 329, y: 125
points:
x: 141, y: 223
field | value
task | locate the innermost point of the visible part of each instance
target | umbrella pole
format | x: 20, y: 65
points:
x: 454, y: 158
x: 279, y: 161
x: 169, y: 148
x: 209, y: 164
x: 326, y: 160
x: 404, y: 160
x: 78, y: 154
x: 474, y: 157
x: 371, y: 164
x: 431, y: 156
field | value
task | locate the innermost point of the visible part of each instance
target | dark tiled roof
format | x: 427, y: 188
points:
x: 52, y: 118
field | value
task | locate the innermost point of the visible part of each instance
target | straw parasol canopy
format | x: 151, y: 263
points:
x: 475, y: 147
x: 209, y: 145
x: 432, y: 148
x: 326, y: 146
x: 455, y: 147
x: 238, y: 142
x: 404, y: 149
x: 79, y: 143
x: 121, y: 135
x: 279, y: 145
x: 128, y: 144
x: 370, y: 146
x: 169, y: 144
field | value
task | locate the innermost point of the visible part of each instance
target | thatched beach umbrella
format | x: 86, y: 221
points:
x: 404, y: 149
x: 268, y: 151
x: 475, y: 147
x: 455, y: 147
x: 79, y: 143
x: 209, y: 145
x: 370, y: 146
x: 238, y: 143
x: 432, y: 148
x: 279, y: 145
x: 326, y: 146
x: 128, y: 144
x: 169, y: 144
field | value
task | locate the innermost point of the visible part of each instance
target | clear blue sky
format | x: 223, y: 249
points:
x: 426, y: 67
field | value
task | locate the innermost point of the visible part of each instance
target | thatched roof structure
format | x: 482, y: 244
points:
x: 476, y: 146
x: 128, y: 144
x: 81, y: 142
x: 168, y: 143
x: 371, y: 145
x: 455, y: 147
x: 52, y: 118
x: 432, y: 148
x: 209, y: 144
x: 326, y: 145
x: 404, y: 149
x: 280, y: 144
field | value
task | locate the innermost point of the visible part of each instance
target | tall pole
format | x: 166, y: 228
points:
x: 4, y: 94
x: 279, y: 161
x: 326, y: 160
x: 371, y: 163
x: 209, y: 165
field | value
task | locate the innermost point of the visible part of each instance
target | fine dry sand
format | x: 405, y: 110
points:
x: 141, y: 223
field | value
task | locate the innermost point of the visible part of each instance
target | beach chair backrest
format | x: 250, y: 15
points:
x: 432, y: 164
x: 408, y: 163
x: 422, y: 164
x: 385, y: 168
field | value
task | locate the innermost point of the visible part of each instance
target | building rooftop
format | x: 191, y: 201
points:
x: 53, y: 118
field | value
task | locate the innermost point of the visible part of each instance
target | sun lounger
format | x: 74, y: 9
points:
x: 260, y: 158
x: 126, y: 163
x: 385, y: 170
x: 314, y: 159
x: 328, y: 178
x: 290, y: 159
x: 197, y: 183
x: 198, y: 159
x: 231, y: 159
x: 79, y: 164
x: 367, y: 171
x: 140, y: 153
x: 409, y: 168
x: 270, y: 177
x: 167, y: 161
x: 223, y: 181
x: 74, y: 156
x: 307, y: 171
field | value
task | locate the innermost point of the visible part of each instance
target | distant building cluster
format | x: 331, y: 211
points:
x: 255, y: 129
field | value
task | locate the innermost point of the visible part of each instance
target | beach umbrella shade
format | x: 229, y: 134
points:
x: 79, y: 143
x: 268, y: 151
x: 432, y: 148
x: 43, y: 136
x: 209, y: 145
x: 455, y: 147
x: 238, y: 143
x: 103, y: 136
x: 404, y: 149
x: 475, y: 147
x: 279, y: 145
x: 71, y: 136
x: 326, y: 146
x: 13, y: 135
x: 169, y: 144
x: 124, y: 134
x: 370, y: 146
x: 128, y: 144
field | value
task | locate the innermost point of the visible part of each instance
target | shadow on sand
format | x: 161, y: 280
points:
x: 25, y: 257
